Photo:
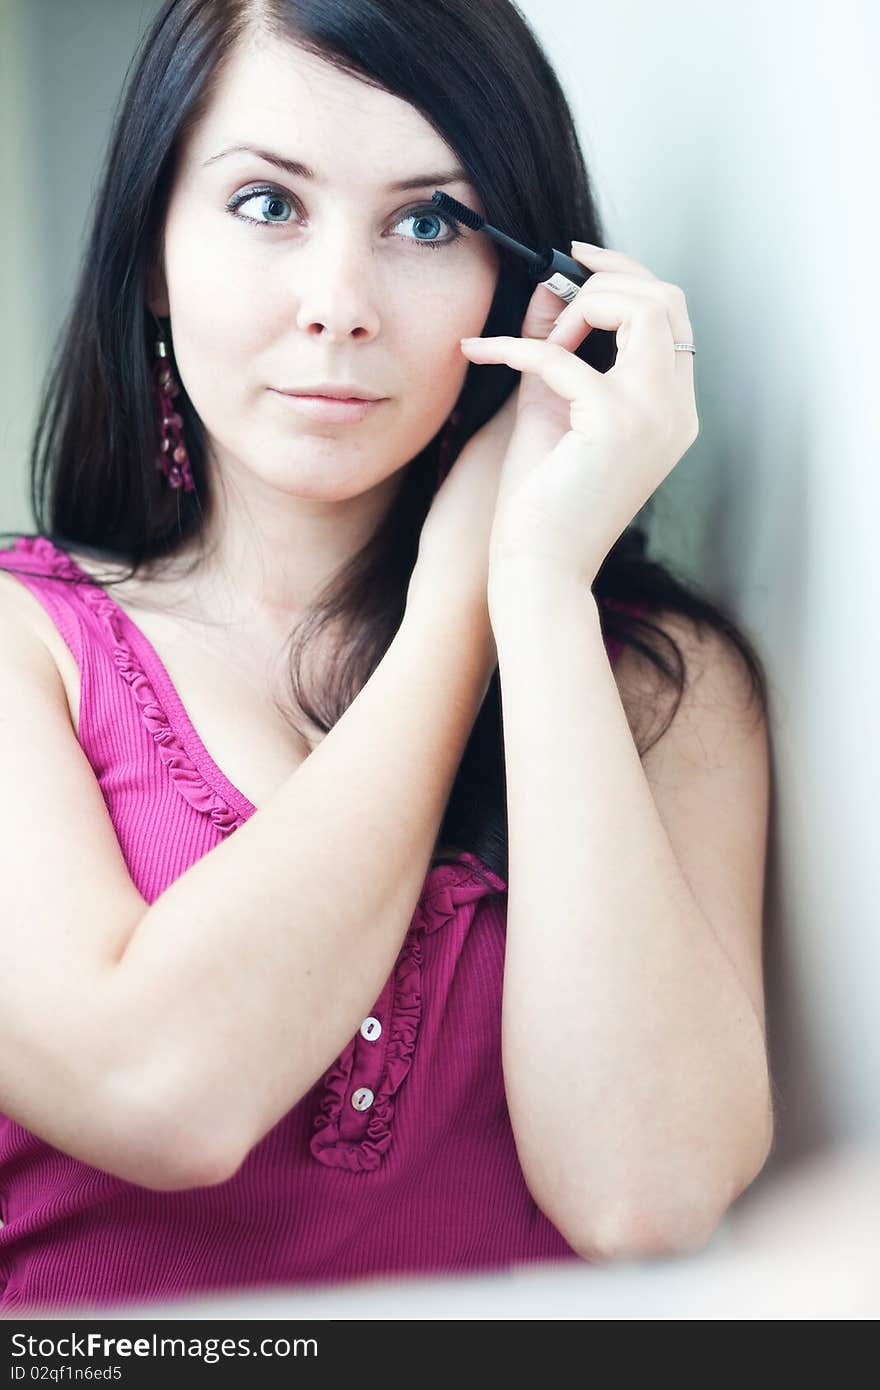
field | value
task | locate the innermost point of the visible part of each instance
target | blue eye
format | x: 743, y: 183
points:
x: 273, y: 198
x: 430, y: 214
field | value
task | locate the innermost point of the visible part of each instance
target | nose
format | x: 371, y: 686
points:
x: 337, y: 298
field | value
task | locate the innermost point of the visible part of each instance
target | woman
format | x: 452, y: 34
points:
x: 272, y: 1016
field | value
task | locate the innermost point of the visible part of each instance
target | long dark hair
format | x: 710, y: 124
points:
x: 93, y: 480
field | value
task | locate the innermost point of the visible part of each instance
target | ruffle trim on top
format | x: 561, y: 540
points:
x: 186, y: 777
x: 449, y: 887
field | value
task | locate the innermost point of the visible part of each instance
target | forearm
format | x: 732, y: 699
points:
x: 634, y: 1064
x: 249, y: 974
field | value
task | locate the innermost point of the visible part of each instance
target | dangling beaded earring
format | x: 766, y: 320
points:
x: 447, y: 445
x: 172, y: 458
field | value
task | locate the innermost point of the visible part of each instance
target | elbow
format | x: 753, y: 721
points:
x: 158, y: 1144
x: 663, y: 1226
x: 170, y: 1158
x: 187, y: 1164
x: 646, y: 1234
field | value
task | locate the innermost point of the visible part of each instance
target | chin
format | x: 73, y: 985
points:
x: 324, y: 479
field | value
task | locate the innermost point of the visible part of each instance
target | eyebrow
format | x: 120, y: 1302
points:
x: 302, y: 171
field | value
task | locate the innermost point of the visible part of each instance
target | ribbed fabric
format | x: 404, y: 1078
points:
x: 425, y: 1180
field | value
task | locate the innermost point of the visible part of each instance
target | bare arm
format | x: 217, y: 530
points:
x: 248, y: 975
x: 640, y: 954
x: 159, y: 1042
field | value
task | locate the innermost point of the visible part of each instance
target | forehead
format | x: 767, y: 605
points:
x: 272, y: 94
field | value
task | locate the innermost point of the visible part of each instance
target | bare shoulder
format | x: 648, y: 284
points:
x: 19, y: 604
x: 32, y: 629
x: 22, y: 609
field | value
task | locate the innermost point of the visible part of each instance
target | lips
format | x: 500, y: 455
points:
x: 347, y: 392
x: 331, y: 409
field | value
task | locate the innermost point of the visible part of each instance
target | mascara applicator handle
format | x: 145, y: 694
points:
x: 560, y: 274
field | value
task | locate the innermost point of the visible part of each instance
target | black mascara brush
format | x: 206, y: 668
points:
x: 553, y: 268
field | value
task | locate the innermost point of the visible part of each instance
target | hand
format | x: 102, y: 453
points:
x: 589, y: 448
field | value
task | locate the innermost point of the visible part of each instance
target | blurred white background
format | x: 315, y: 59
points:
x: 733, y: 150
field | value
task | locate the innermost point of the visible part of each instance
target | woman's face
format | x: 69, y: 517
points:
x: 337, y: 277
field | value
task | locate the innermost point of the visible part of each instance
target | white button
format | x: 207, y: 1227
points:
x: 362, y: 1098
x: 371, y: 1028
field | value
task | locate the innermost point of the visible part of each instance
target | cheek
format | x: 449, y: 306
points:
x: 211, y: 293
x: 427, y: 341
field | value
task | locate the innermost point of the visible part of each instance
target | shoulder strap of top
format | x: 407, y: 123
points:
x: 38, y: 563
x: 103, y: 632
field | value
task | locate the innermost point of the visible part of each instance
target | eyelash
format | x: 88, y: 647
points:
x: 418, y: 211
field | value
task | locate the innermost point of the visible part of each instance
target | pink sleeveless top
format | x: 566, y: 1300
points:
x: 424, y: 1180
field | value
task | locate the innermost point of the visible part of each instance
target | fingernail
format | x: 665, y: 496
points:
x: 587, y: 246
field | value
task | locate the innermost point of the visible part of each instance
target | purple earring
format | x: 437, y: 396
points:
x: 447, y: 445
x: 172, y: 458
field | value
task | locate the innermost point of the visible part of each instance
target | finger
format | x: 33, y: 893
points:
x: 544, y: 306
x: 600, y: 259
x: 646, y: 355
x: 604, y: 258
x: 644, y: 338
x: 541, y: 312
x: 571, y: 321
x: 565, y: 374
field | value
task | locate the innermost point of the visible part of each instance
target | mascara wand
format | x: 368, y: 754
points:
x: 552, y: 268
